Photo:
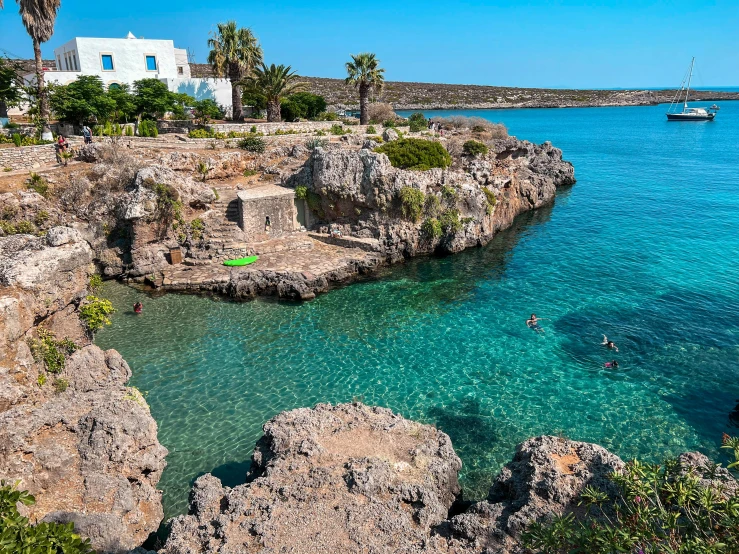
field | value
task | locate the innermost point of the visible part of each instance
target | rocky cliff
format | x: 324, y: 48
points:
x: 359, y: 191
x: 351, y: 478
x: 71, y: 433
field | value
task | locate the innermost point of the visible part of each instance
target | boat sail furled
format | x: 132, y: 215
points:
x: 689, y: 114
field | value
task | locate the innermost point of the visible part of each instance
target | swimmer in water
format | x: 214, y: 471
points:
x: 533, y: 323
x: 138, y: 308
x: 611, y: 365
x: 609, y: 344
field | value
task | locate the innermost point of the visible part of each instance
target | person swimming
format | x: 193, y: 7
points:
x: 138, y: 308
x: 609, y: 344
x: 613, y: 364
x: 533, y: 323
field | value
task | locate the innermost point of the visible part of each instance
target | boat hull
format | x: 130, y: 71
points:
x: 690, y: 117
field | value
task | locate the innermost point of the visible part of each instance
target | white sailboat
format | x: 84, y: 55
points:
x: 689, y: 114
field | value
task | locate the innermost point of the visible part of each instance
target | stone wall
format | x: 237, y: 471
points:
x: 267, y: 128
x: 275, y: 203
x: 31, y: 157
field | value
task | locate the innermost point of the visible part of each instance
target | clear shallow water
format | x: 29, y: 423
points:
x: 643, y: 248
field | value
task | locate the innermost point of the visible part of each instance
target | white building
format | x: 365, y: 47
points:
x: 125, y: 60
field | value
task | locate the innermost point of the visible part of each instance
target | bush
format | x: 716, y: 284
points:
x: 18, y: 535
x: 658, y: 509
x: 38, y: 184
x: 338, y: 129
x: 327, y: 116
x: 381, y: 111
x: 250, y: 172
x: 302, y: 105
x: 253, y: 129
x: 301, y: 192
x: 129, y: 131
x: 17, y: 139
x: 50, y: 351
x: 431, y: 228
x: 371, y: 130
x: 200, y: 133
x: 205, y: 110
x: 60, y: 384
x: 411, y: 201
x: 449, y: 221
x: 94, y: 312
x: 148, y: 128
x: 449, y: 195
x: 474, y: 124
x: 313, y: 143
x: 417, y: 122
x: 474, y: 147
x: 25, y: 228
x: 96, y: 281
x: 490, y: 199
x: 432, y: 206
x: 253, y: 144
x: 413, y: 153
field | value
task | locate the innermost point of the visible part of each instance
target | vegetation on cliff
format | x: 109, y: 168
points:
x: 659, y: 509
x: 418, y: 154
x: 17, y: 535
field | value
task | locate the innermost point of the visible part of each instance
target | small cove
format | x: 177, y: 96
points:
x: 642, y: 249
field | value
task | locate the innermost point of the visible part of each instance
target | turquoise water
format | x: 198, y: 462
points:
x: 643, y: 248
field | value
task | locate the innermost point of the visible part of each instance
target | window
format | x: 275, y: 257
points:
x: 114, y: 86
x: 74, y: 58
x: 59, y: 65
x: 106, y: 60
x: 180, y: 70
x: 151, y: 62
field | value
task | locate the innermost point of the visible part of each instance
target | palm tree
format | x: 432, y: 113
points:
x: 366, y: 75
x: 274, y: 82
x: 39, y: 17
x: 234, y: 54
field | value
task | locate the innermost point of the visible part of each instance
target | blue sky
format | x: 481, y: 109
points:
x: 595, y: 44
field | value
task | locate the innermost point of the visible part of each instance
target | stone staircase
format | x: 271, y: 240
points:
x: 226, y: 239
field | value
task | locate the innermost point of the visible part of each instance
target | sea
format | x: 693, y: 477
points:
x: 644, y: 249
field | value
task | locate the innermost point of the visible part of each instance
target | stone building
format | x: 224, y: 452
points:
x: 267, y: 212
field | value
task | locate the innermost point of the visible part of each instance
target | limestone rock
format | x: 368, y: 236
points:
x: 344, y: 478
x: 390, y: 134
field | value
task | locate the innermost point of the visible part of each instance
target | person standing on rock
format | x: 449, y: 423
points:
x: 87, y: 134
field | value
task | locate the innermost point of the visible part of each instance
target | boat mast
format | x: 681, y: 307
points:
x: 687, y: 91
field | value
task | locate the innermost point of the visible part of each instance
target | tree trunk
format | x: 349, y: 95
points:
x: 363, y: 103
x: 274, y: 112
x: 43, y: 101
x: 237, y: 113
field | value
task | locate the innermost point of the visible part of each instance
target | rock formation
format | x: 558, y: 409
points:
x: 358, y: 191
x: 81, y: 442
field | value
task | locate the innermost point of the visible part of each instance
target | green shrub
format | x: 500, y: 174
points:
x: 41, y: 379
x: 38, y: 184
x: 250, y: 172
x: 129, y: 131
x: 431, y: 228
x: 253, y: 129
x: 449, y: 195
x: 414, y: 153
x: 169, y: 205
x: 196, y: 228
x: 17, y: 535
x: 314, y: 204
x: 449, y: 221
x: 658, y: 509
x: 411, y: 201
x: 474, y: 147
x: 200, y: 133
x: 215, y: 191
x: 50, y: 351
x: 94, y: 312
x: 337, y: 129
x: 148, y: 128
x: 41, y: 217
x: 253, y: 144
x: 25, y: 228
x: 417, y: 122
x: 17, y: 139
x: 313, y: 143
x: 96, y: 281
x: 389, y: 123
x: 8, y: 228
x: 301, y: 192
x: 432, y: 206
x: 327, y: 116
x: 60, y: 384
x: 371, y: 130
x: 490, y: 199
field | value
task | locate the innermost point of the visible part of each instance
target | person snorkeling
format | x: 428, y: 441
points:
x: 613, y: 364
x: 138, y: 308
x: 609, y: 344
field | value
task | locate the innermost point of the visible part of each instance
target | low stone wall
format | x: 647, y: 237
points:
x: 31, y: 157
x: 268, y: 128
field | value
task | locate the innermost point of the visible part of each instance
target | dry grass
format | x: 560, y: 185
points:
x: 380, y: 111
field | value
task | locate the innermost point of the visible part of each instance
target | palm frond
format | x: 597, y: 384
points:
x: 39, y: 17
